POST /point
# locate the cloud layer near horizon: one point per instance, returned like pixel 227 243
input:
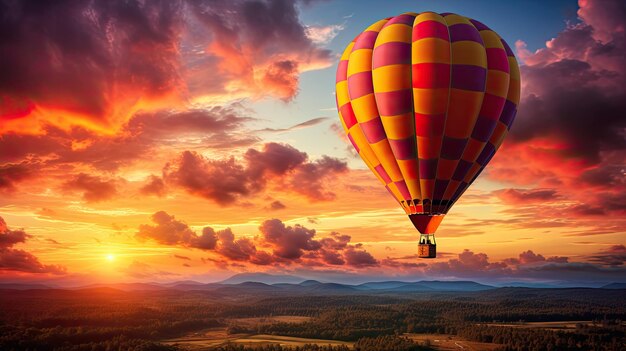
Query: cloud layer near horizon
pixel 278 245
pixel 286 248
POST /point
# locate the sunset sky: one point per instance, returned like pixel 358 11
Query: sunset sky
pixel 174 140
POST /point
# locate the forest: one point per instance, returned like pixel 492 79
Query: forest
pixel 109 319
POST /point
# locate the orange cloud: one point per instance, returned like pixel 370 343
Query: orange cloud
pixel 104 63
pixel 94 188
pixel 278 245
pixel 20 261
pixel 94 69
pixel 521 196
pixel 260 48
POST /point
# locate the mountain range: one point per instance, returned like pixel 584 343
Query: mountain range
pixel 251 283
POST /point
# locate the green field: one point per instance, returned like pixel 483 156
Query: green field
pixel 444 342
pixel 218 337
pixel 214 337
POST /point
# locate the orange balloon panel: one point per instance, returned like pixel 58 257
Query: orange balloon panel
pixel 426 100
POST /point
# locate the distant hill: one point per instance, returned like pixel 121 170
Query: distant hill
pixel 615 286
pixel 250 284
pixel 331 287
pixel 424 285
pixel 125 286
pixel 309 283
pixel 461 285
pixel 381 285
pixel 528 285
pixel 262 278
pixel 185 283
pixel 409 287
pixel 19 286
pixel 315 287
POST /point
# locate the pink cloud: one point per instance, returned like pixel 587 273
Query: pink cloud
pixel 530 196
pixel 260 47
pixel 167 231
pixel 277 245
pixel 94 188
pixel 567 145
pixel 16 260
pixel 288 242
pixel 12 174
pixel 241 249
pixel 280 165
pixel 359 258
pixel 144 133
pixel 154 186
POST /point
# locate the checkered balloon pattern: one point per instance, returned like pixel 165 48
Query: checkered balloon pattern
pixel 426 100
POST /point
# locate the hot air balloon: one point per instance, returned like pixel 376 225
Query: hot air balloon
pixel 426 100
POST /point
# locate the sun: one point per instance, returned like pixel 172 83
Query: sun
pixel 110 257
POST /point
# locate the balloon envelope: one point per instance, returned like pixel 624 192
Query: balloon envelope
pixel 426 100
